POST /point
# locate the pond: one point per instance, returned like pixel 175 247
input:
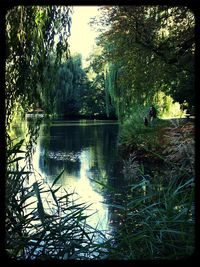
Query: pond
pixel 125 210
pixel 87 153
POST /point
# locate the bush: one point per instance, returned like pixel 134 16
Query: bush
pixel 134 134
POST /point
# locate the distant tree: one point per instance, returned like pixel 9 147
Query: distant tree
pixel 75 93
pixel 96 69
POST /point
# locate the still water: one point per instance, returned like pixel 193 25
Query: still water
pixel 87 152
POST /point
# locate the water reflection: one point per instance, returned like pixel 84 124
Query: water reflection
pixel 86 152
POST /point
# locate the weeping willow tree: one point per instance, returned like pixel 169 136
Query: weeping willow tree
pixel 112 88
pixel 154 47
pixel 65 94
pixel 30 41
pixel 32 34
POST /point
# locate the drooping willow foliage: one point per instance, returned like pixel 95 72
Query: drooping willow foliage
pixel 67 87
pixel 74 94
pixel 32 34
pixel 112 87
pixel 100 99
pixel 153 48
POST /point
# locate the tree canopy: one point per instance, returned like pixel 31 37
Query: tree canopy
pixel 144 53
pixel 147 49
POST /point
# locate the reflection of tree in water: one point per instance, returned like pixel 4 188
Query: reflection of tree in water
pixel 66 144
pixel 54 167
pixel 84 153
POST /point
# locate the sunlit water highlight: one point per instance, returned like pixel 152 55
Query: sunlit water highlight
pixel 87 151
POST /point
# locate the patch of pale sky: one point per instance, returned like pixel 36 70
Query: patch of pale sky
pixel 82 39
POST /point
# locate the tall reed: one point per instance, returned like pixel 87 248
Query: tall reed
pixel 34 233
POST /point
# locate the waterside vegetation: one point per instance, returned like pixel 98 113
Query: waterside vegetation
pixel 144 56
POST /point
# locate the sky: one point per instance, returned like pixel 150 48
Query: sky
pixel 82 39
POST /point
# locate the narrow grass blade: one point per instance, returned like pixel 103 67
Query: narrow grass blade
pixel 57 178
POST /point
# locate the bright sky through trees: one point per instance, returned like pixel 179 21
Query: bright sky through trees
pixel 82 39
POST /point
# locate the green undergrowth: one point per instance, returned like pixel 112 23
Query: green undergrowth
pixel 135 136
pixel 157 208
pixel 158 220
pixel 153 216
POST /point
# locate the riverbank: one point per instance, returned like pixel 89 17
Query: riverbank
pixel 85 117
pixel 150 215
pixel 158 204
pixel 157 143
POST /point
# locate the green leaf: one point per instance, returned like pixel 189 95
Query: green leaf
pixel 40 205
pixel 57 178
pixel 104 185
pixel 16 159
pixel 117 206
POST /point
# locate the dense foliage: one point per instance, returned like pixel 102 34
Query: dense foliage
pixel 96 74
pixel 74 93
pixel 145 55
pixel 147 50
pixel 32 35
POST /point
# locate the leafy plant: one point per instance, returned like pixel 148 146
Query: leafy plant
pixel 147 50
